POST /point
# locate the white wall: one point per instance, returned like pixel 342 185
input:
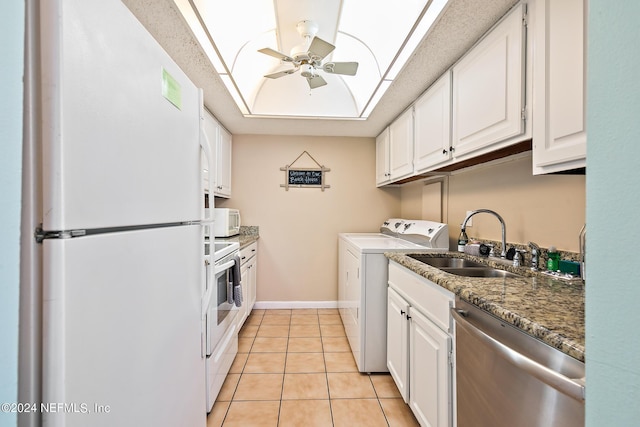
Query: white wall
pixel 11 70
pixel 613 209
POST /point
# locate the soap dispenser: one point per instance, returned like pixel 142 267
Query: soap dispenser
pixel 553 263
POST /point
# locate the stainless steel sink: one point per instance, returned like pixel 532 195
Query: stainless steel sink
pixel 479 272
pixel 446 262
pixel 462 267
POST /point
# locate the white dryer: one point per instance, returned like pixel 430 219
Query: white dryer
pixel 362 282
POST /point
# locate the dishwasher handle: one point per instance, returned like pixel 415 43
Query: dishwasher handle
pixel 573 388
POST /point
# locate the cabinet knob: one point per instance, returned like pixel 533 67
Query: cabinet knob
pixel 408 317
pixel 402 312
pixel 444 151
pixel 451 149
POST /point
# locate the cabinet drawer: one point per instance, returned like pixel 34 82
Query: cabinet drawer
pixel 426 296
pixel 247 252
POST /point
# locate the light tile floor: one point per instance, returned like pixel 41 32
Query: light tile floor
pixel 295 368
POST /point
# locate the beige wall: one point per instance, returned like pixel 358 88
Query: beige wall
pixel 546 209
pixel 299 228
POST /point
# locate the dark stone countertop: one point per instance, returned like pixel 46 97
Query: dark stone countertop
pixel 548 309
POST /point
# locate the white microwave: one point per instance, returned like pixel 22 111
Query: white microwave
pixel 226 222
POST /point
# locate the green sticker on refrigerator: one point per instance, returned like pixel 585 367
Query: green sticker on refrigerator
pixel 171 89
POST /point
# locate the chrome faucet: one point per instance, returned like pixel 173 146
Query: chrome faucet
pixel 535 255
pixel 503 254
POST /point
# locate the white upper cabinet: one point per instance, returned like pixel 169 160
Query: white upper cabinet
pixel 223 160
pixel 220 143
pixel 211 130
pixel 383 172
pixel 489 89
pixel 401 146
pixel 559 126
pixel 432 118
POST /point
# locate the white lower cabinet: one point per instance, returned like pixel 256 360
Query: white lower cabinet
pixel 398 342
pixel 429 371
pixel 248 277
pixel 420 345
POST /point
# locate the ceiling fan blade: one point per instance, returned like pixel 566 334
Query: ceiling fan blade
pixel 281 56
pixel 346 68
pixel 281 73
pixel 320 48
pixel 316 81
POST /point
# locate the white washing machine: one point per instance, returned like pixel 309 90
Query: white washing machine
pixel 362 282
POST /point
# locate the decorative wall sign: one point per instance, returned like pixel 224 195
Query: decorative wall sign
pixel 305 177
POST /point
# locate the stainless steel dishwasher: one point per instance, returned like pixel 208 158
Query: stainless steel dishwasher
pixel 505 377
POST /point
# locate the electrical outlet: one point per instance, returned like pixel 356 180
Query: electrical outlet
pixel 470 222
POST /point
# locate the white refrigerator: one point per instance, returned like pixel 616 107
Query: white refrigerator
pixel 121 207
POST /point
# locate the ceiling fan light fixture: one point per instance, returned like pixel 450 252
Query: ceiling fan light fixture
pixel 307 70
pixel 309 55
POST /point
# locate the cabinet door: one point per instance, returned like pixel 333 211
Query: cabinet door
pixel 429 372
pixel 488 88
pixel 559 126
pixel 223 160
pixel 382 158
pixel 398 341
pixel 252 286
pixel 432 120
pixel 243 312
pixel 401 146
pixel 211 129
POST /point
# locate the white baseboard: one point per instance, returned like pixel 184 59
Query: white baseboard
pixel 259 305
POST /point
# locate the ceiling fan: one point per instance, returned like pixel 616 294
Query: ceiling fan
pixel 307 57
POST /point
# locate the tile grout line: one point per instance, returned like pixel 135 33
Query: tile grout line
pixel 284 370
pixel 326 375
pixel 287 353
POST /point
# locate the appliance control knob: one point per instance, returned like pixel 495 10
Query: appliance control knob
pixel 430 231
pixel 398 224
pixel 407 226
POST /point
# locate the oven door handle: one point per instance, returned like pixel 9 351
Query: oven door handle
pixel 225 266
pixel 205 306
pixel 206 298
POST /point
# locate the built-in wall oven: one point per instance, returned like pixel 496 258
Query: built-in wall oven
pixel 221 341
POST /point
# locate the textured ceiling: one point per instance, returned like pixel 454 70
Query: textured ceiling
pixel 461 25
